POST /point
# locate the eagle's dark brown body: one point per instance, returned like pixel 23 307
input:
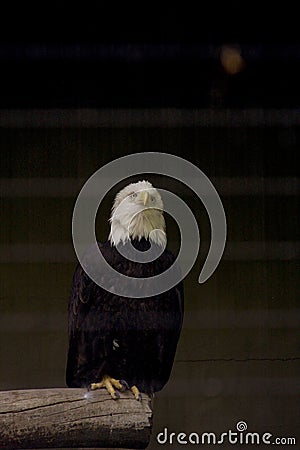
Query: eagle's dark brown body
pixel 133 339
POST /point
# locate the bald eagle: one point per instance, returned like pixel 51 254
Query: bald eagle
pixel 118 342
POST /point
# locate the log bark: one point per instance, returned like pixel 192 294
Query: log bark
pixel 72 418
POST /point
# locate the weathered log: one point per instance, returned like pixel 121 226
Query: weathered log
pixel 72 418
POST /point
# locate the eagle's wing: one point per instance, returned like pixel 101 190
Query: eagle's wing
pixel 168 337
pixel 87 345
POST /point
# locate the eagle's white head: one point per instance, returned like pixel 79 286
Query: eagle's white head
pixel 137 213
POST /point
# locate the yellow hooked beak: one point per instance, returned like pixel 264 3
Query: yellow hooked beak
pixel 144 196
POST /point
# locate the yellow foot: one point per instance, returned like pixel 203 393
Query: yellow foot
pixel 110 383
pixel 136 393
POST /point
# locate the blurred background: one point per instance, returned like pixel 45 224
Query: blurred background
pixel 78 93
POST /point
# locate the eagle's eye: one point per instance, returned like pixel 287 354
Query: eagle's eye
pixel 152 199
pixel 133 195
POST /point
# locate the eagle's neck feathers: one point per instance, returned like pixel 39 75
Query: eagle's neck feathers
pixel 148 224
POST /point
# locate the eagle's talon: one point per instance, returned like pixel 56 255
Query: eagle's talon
pixel 94 386
pixel 125 386
pixel 109 384
pixel 136 393
pixel 115 395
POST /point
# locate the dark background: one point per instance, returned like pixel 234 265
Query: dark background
pixel 78 91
